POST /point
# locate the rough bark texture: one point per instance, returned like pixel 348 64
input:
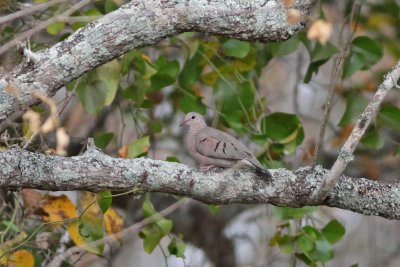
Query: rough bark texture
pixel 140 23
pixel 95 171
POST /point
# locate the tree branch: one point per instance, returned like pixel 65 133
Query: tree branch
pixel 95 171
pixel 140 23
pixel 346 153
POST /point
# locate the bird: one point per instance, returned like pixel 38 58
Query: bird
pixel 214 148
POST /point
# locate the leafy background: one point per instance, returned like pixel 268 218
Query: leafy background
pixel 270 96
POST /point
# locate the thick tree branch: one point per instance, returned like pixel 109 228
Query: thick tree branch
pixel 140 23
pixel 95 171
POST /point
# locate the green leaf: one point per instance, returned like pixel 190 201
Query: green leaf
pixel 55 28
pixel 214 208
pixel 101 140
pixel 104 200
pixel 177 248
pixel 165 225
pixel 100 86
pixel 286 244
pixel 236 48
pixel 353 63
pixel 148 208
pixel 306 243
pixel 389 116
pixel 355 105
pixel 372 140
pixel 172 159
pixel 365 52
pixel 318 55
pixel 286 213
pixel 322 53
pixel 91 229
pixel 159 81
pixel 286 47
pixel 246 94
pixel 282 127
pixel 190 103
pixel 110 6
pixel 152 236
pixel 191 71
pixel 323 250
pixel 333 231
pixel 139 147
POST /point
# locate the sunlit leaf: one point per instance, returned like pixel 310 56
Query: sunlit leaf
pixel 177 248
pixel 58 208
pixel 21 258
pixel 139 147
pixel 55 27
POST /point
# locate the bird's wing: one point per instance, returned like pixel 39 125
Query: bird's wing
pixel 214 143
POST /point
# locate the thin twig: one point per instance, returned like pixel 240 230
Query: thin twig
pixel 328 107
pixel 346 153
pixel 42 25
pixel 29 10
pixel 329 100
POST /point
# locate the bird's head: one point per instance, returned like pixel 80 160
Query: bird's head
pixel 194 119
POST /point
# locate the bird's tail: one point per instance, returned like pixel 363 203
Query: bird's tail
pixel 260 168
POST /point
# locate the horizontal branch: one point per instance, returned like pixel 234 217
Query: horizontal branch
pixel 137 24
pixel 95 171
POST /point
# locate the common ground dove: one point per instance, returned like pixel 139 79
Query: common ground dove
pixel 213 148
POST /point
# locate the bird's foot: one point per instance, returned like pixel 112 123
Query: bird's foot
pixel 205 168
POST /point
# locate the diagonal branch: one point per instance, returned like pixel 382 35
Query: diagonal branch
pixel 140 23
pixel 95 171
pixel 346 153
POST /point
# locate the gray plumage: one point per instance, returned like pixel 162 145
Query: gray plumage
pixel 211 147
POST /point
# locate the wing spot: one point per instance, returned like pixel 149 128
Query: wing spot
pixel 223 149
pixel 234 147
pixel 216 147
pixel 202 141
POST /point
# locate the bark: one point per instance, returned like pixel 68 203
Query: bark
pixel 95 171
pixel 137 24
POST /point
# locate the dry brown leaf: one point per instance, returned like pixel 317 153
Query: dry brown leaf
pixel 293 16
pixel 113 223
pixel 59 208
pixel 62 142
pixel 320 30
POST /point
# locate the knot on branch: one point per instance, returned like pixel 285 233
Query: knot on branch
pixel 91 147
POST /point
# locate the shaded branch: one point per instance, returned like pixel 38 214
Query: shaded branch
pixel 137 24
pixel 95 171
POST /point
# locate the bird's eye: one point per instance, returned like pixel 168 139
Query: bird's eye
pixel 193 117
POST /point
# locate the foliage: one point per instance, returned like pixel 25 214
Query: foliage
pixel 150 88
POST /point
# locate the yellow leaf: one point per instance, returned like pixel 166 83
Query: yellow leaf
pixel 80 240
pixel 21 258
pixel 113 223
pixel 59 208
pixel 4 247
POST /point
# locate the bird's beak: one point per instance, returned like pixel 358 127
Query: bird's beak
pixel 183 123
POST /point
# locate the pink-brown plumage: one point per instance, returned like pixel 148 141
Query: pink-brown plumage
pixel 213 148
